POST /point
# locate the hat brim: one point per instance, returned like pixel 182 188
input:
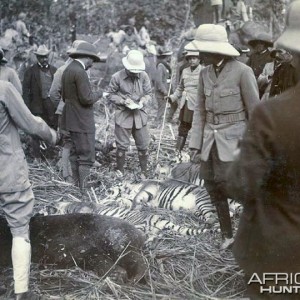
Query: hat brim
pixel 287 40
pixel 77 53
pixel 222 48
pixel 253 42
pixel 44 53
pixel 169 53
pixel 131 68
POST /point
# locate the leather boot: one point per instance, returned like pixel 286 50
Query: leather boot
pixel 75 172
pixel 180 143
pixel 120 160
pixel 21 257
pixel 143 158
pixel 84 172
pixel 225 223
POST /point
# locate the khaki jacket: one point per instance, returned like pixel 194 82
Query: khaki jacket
pixel 187 89
pixel 223 107
pixel 14 114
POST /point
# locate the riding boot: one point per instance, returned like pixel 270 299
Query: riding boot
pixel 75 172
pixel 143 158
pixel 84 172
pixel 120 160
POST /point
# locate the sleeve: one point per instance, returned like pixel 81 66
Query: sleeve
pixel 254 164
pixel 23 118
pixel 55 90
pixel 147 88
pixel 179 90
pixel 85 94
pixel 114 91
pixel 199 117
pixel 160 84
pixel 249 90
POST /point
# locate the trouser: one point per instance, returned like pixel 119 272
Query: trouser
pixel 82 156
pixel 67 145
pixel 184 128
pixel 218 196
pixel 18 209
pixel 142 139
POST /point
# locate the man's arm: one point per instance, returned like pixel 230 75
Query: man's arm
pixel 254 163
pixel 113 89
pixel 14 79
pixel 249 90
pixel 85 94
pixel 160 85
pixel 147 90
pixel 199 117
pixel 55 90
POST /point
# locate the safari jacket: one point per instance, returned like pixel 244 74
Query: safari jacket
pixel 187 88
pixel 14 114
pixel 223 106
pixel 122 86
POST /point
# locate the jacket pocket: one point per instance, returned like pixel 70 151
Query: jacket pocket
pixel 235 131
pixel 230 100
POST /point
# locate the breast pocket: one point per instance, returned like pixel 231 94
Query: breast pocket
pixel 231 100
pixel 208 99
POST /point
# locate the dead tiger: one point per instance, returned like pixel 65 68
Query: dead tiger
pixel 190 172
pixel 176 195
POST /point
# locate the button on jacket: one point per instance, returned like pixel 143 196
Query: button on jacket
pixel 122 86
pixel 187 89
pixel 14 114
pixel 223 106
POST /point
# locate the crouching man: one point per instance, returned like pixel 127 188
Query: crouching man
pixel 16 196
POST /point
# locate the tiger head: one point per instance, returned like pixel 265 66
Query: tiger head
pixel 147 194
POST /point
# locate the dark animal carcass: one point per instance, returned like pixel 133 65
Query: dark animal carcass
pixel 93 242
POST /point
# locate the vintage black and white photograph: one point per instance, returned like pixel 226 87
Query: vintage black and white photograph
pixel 149 149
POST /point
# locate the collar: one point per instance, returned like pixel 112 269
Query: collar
pixel 218 65
pixel 81 62
pixel 42 67
pixel 264 51
pixel 125 75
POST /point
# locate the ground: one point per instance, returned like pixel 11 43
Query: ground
pixel 180 267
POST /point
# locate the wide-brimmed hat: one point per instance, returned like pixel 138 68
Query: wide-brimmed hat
pixel 85 49
pixel 190 53
pixel 290 35
pixel 134 61
pixel 281 55
pixel 74 46
pixel 163 51
pixel 42 50
pixel 262 37
pixel 212 38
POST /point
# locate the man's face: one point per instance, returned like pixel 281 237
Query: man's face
pixel 89 62
pixel 43 60
pixel 193 60
pixel 259 47
pixel 211 58
pixel 131 74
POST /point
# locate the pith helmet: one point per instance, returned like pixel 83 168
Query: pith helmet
pixel 290 37
pixel 134 61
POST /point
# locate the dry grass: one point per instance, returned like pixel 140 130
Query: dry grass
pixel 180 267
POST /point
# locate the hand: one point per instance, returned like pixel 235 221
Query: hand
pixel 194 155
pixel 168 99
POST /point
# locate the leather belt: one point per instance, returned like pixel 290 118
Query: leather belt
pixel 224 118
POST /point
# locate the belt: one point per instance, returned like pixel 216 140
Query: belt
pixel 224 118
